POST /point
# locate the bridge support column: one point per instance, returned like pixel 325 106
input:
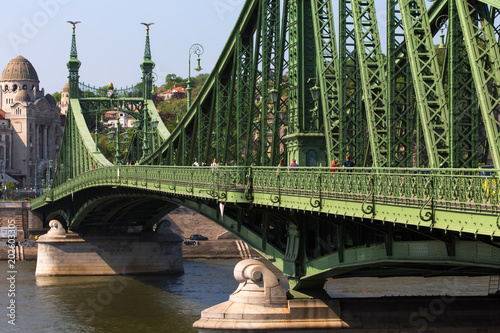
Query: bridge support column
pixel 260 304
pixel 65 254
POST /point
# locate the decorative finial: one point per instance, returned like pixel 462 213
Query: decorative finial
pixel 147 25
pixel 74 23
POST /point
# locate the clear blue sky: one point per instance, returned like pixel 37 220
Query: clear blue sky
pixel 110 39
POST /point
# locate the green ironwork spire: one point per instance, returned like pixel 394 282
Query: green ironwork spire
pixel 147 67
pixel 73 64
pixel 147 49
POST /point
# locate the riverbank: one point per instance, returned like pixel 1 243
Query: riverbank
pixel 215 249
pixel 220 244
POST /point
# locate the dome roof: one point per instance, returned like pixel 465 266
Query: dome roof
pixel 19 68
pixel 51 100
pixel 22 96
pixel 66 87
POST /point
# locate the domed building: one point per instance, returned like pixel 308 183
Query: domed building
pixel 64 104
pixel 33 119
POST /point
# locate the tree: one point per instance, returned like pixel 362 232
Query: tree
pixel 57 96
pixel 9 187
pixel 171 111
pixel 172 80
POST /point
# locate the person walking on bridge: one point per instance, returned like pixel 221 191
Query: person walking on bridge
pixel 334 165
pixel 214 164
pixel 281 165
pixel 348 163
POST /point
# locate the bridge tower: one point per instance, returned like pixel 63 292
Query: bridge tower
pixel 73 66
pixel 305 140
pixel 98 250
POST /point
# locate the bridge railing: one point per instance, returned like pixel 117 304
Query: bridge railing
pixel 93 91
pixel 454 189
pixel 465 189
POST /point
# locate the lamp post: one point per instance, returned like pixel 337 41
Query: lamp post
pixel 36 175
pixel 442 23
pixel 315 92
pixel 96 133
pixel 4 181
pixel 117 141
pixel 49 174
pixel 198 50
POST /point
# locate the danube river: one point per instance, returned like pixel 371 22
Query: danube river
pixel 125 304
pixel 115 304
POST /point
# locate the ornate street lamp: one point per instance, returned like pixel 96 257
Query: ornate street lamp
pixel 315 92
pixel 442 22
pixel 198 50
pixel 273 94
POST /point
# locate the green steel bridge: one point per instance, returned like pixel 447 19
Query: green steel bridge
pixel 417 119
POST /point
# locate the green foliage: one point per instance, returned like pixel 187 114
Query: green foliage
pixel 198 83
pixel 172 80
pixel 10 187
pixel 57 96
pixel 173 109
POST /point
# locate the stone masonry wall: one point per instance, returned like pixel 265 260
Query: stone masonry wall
pixel 73 255
pixel 27 222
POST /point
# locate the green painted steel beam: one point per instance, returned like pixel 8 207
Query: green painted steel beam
pixel 327 75
pixel 401 112
pixel 467 144
pixel 353 122
pixel 373 80
pixel 417 256
pixel 494 3
pixel 484 56
pixel 430 96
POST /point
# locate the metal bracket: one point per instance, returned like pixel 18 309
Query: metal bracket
pixel 370 209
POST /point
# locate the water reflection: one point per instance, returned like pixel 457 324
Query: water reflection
pixel 119 303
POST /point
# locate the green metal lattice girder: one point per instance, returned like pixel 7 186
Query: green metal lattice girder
pixel 465 117
pixel 353 122
pixel 400 92
pixel 430 96
pixel 373 80
pixel 484 57
pixel 327 73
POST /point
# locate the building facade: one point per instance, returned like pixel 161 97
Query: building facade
pixel 29 150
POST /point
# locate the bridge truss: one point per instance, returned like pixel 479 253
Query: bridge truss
pixel 413 104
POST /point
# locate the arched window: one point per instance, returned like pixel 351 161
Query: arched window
pixel 311 158
pixel 14 87
pixel 6 87
pixel 25 87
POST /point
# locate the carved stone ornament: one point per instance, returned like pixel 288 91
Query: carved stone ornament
pixel 56 228
pixel 258 285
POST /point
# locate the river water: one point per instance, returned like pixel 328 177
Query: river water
pixel 114 304
pixel 125 304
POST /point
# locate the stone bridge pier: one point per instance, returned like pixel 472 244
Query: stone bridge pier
pixel 260 304
pixel 62 254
